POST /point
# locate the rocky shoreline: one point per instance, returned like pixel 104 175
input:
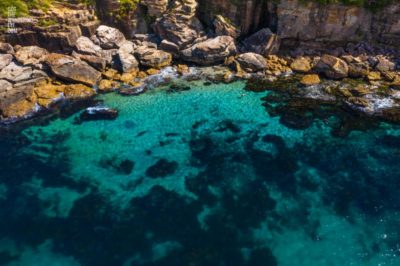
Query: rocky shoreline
pixel 34 79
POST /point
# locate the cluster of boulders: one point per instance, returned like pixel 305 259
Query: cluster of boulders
pixel 33 78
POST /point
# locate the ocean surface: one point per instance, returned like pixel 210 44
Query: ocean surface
pixel 215 175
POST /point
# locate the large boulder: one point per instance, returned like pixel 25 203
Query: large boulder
pixel 151 57
pixel 85 46
pixel 126 58
pixel 251 62
pixel 332 67
pixel 263 42
pixel 15 73
pixel 30 55
pixel 301 65
pixel 108 37
pixel 224 27
pixel 210 51
pixel 5 60
pixel 97 62
pixel 384 64
pixel 71 69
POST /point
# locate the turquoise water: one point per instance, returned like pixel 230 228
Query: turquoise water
pixel 216 175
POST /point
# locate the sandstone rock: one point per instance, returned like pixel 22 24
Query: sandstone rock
pixel 85 46
pixel 106 85
pixel 374 76
pixel 385 65
pixel 6 48
pixel 358 69
pixel 97 62
pixel 4 86
pixel 109 37
pixel 126 58
pixel 309 80
pixel 182 69
pixel 48 93
pixel 169 47
pixel 276 65
pixel 251 62
pixel 388 75
pixel 179 23
pixel 111 74
pixel 17 102
pixel 30 55
pixel 5 60
pixel 153 58
pixel 360 90
pixel 332 67
pixel 70 69
pixel 301 65
pixel 262 42
pixel 78 91
pixel 224 27
pixel 15 73
pixel 155 8
pixel 211 51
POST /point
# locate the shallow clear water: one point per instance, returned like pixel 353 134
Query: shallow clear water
pixel 207 176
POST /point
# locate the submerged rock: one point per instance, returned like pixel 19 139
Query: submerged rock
pixel 98 113
pixel 162 168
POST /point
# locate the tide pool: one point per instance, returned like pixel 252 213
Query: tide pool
pixel 215 175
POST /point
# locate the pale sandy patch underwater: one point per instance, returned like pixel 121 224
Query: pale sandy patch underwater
pixel 200 177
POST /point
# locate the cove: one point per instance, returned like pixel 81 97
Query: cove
pixel 213 175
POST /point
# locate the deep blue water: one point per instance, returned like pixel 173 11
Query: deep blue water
pixel 216 175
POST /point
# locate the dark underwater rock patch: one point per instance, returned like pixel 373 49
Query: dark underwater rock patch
pixel 124 166
pixel 162 168
pixel 98 113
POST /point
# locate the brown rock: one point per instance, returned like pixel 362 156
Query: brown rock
pixel 224 27
pixel 309 80
pixel 251 62
pixel 6 48
pixel 109 37
pixel 95 61
pixel 211 51
pixel 30 55
pixel 79 91
pixel 358 69
pixel 301 65
pixel 332 67
pixel 106 85
pixel 70 69
pixel 263 42
pixel 153 58
pixel 5 60
pixel 374 76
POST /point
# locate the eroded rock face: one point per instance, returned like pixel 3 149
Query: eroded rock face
pixel 224 27
pixel 71 69
pixel 263 42
pixel 179 23
pixel 30 55
pixel 251 62
pixel 211 51
pixel 332 67
pixel 109 37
